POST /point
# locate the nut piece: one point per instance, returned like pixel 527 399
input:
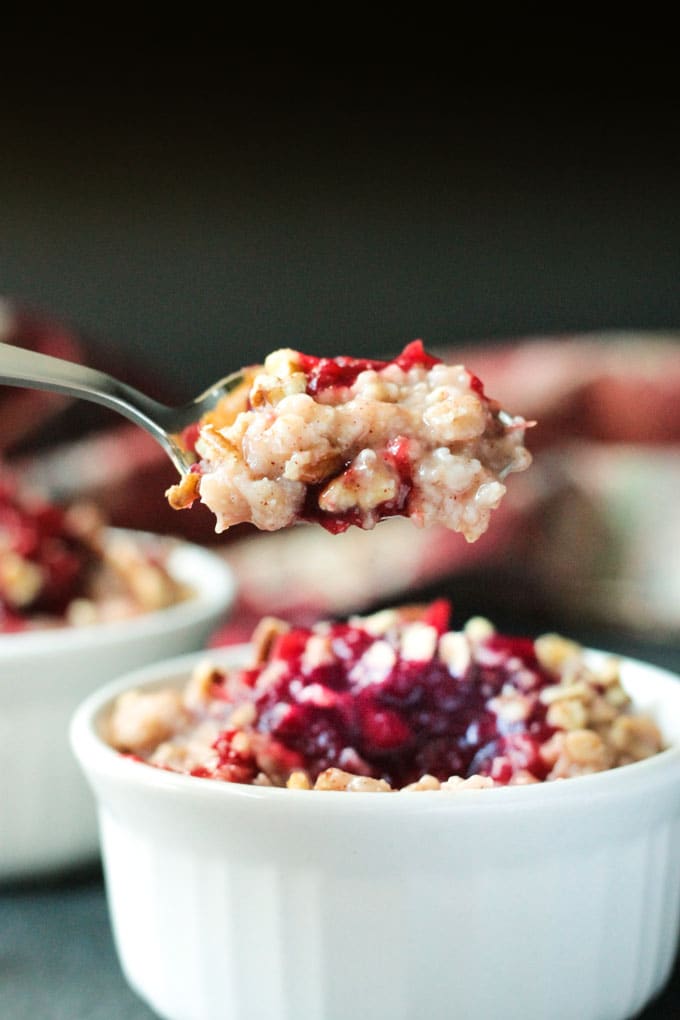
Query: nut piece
pixel 281 378
pixel 367 482
pixel 82 612
pixel 579 752
pixel 298 781
pixel 141 720
pixel 512 707
pixel 426 782
pixel 567 714
pixel 455 783
pixel 455 652
pixel 243 715
pixel 553 650
pixel 20 579
pixel 478 629
pixel 185 492
pixel 377 624
pixel 365 784
pixel 264 636
pixel 418 642
pixel 337 779
pixel 586 748
pixel 333 779
pixel 635 737
pixel 199 685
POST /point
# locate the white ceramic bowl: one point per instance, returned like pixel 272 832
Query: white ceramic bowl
pixel 559 900
pixel 47 821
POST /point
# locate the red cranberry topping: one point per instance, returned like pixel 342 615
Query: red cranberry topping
pixel 10 623
pixel 190 436
pixel 414 354
pixel 477 385
pixel 324 373
pixel 398 452
pixel 438 615
pixel 38 533
pixel 339 694
pixel 237 765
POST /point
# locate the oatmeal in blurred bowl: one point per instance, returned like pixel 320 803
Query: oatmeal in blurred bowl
pixel 79 602
pixel 61 566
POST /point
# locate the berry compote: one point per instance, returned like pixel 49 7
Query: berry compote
pixel 43 564
pixel 393 697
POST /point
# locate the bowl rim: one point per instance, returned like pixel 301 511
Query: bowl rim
pixel 96 756
pixel 216 587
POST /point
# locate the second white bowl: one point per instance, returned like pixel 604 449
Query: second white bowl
pixel 231 902
pixel 47 821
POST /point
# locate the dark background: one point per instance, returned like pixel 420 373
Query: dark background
pixel 204 204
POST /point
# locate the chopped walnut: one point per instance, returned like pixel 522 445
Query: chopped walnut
pixel 264 636
pixel 333 779
pixel 20 579
pixel 337 779
pixel 185 492
pixel 454 650
pixel 635 737
pixel 425 783
pixel 418 642
pixel 552 651
pixel 367 483
pixel 512 707
pixel 582 752
pixel 567 714
pixel 298 781
pixel 142 720
pixel 198 689
pixel 365 784
pixel 456 783
pixel 478 628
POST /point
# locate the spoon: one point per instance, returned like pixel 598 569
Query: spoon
pixel 19 367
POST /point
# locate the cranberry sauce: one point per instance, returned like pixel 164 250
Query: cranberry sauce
pixel 337 696
pixel 37 533
pixel 326 373
pixel 396 454
pixel 189 436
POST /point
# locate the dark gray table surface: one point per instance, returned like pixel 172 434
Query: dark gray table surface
pixel 57 959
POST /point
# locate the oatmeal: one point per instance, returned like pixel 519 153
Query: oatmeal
pixel 392 701
pixel 60 566
pixel 347 441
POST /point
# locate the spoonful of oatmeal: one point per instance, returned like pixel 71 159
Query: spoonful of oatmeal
pixel 336 441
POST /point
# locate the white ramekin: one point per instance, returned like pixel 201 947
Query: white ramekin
pixel 560 900
pixel 47 821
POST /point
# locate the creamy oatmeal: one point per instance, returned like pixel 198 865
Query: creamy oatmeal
pixel 345 441
pixel 61 566
pixel 392 701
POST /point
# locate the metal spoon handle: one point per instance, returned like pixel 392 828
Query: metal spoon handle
pixel 20 367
